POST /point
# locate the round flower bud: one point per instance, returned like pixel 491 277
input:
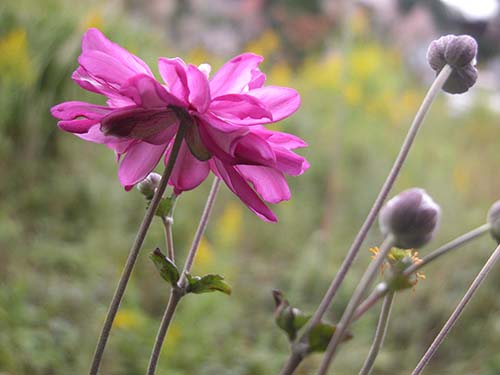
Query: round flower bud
pixel 411 217
pixel 460 53
pixel 494 220
pixel 148 186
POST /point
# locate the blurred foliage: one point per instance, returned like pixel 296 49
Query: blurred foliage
pixel 66 225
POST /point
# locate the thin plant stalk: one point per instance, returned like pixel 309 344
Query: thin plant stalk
pixel 490 263
pixel 456 243
pixel 377 205
pixel 134 252
pixel 380 334
pixel 179 290
pixel 345 321
pixel 168 222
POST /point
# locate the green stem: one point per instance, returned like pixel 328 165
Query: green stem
pixel 134 252
pixel 180 290
pixel 345 321
pixel 380 333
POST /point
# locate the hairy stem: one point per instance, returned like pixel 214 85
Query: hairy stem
pixel 179 291
pixel 134 252
pixel 345 321
pixel 380 333
pixel 490 263
pixel 377 205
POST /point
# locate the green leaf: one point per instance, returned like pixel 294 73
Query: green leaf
pixel 165 206
pixel 168 270
pixel 321 335
pixel 291 320
pixel 207 284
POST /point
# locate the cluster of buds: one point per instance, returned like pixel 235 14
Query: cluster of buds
pixel 459 52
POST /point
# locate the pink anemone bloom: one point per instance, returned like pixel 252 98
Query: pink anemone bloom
pixel 223 117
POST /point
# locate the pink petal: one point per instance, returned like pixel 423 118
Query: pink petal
pixel 155 126
pixel 280 101
pixel 77 126
pixel 269 183
pixel 289 162
pixel 219 143
pixel 199 90
pixel 95 41
pixel 106 68
pixel 119 145
pixel 146 92
pixel 173 72
pixel 236 183
pixel 251 149
pixel 258 79
pixel 78 117
pixel 139 161
pixel 235 75
pixel 240 109
pixel 286 140
pixel 74 109
pixel 188 171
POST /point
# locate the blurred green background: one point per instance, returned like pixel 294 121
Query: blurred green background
pixel 66 224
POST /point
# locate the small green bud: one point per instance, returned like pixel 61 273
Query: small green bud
pixel 148 186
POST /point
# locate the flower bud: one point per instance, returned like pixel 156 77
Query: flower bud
pixel 460 53
pixel 494 220
pixel 411 217
pixel 148 186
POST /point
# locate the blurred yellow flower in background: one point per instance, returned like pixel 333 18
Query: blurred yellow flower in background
pixel 229 226
pixel 15 63
pixel 265 44
pixel 127 319
pixel 93 18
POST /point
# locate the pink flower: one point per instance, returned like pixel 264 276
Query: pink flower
pixel 223 117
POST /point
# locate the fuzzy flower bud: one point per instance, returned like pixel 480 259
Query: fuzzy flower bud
pixel 460 53
pixel 148 186
pixel 411 217
pixel 494 220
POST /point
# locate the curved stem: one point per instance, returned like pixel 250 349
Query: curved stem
pixel 134 252
pixel 493 259
pixel 377 205
pixel 179 291
pixel 345 321
pixel 378 292
pixel 380 333
pixel 457 242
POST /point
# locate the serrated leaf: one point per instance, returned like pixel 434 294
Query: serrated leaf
pixel 168 270
pixel 165 207
pixel 207 284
